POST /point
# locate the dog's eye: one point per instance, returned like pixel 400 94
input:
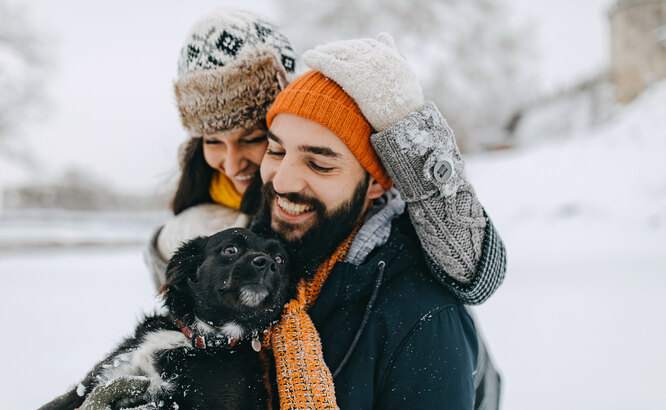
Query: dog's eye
pixel 230 250
pixel 279 259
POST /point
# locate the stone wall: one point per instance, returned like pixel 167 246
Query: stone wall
pixel 638 45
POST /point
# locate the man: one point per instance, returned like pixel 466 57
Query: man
pixel 390 335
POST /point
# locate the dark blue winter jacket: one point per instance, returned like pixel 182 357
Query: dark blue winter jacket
pixel 418 348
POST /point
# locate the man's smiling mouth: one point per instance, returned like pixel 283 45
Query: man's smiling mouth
pixel 291 208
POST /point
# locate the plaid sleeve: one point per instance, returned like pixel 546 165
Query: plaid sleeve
pixel 489 274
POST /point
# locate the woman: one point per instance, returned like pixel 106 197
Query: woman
pixel 231 67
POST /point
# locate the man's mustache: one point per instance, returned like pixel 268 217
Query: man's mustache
pixel 270 193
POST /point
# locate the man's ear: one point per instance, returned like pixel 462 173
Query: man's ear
pixel 375 189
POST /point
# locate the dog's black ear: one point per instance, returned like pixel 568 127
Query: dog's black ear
pixel 182 266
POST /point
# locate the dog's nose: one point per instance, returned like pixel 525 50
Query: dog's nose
pixel 265 263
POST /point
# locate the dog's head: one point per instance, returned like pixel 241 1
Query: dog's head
pixel 234 276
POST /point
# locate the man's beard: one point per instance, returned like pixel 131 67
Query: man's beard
pixel 323 237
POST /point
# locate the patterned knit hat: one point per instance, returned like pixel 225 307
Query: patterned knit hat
pixel 316 98
pixel 232 66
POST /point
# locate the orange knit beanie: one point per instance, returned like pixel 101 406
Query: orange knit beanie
pixel 316 98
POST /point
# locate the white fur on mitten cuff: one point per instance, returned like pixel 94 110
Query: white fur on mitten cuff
pixel 374 74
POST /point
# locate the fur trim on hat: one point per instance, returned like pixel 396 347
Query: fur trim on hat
pixel 232 96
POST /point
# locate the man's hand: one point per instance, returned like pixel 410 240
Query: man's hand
pixel 374 74
pixel 122 389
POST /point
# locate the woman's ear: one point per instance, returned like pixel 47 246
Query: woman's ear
pixel 375 189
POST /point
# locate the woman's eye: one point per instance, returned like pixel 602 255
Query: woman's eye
pixel 255 140
pixel 279 259
pixel 212 142
pixel 230 250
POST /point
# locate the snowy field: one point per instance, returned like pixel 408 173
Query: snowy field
pixel 63 310
pixel 576 326
pixel 569 331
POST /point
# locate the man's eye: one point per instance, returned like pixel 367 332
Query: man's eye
pixel 279 259
pixel 230 250
pixel 274 153
pixel 319 168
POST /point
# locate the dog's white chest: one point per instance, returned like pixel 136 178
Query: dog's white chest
pixel 141 361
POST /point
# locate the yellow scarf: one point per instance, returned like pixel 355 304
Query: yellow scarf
pixel 223 192
pixel 304 381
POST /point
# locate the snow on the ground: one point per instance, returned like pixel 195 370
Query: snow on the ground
pixel 576 325
pixel 63 311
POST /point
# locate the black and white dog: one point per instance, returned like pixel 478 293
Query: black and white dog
pixel 221 291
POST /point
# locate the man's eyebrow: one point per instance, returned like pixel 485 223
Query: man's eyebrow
pixel 273 137
pixel 325 151
pixel 317 150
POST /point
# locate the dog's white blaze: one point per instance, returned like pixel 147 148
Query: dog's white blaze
pixel 252 298
pixel 141 362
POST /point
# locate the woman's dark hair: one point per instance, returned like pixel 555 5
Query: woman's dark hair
pixel 195 177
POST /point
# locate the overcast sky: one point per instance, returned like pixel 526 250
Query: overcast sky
pixel 112 110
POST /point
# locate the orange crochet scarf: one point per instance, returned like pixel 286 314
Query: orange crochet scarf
pixel 304 381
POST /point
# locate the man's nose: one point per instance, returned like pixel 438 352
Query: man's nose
pixel 288 178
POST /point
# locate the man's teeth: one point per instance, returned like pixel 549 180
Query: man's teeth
pixel 292 208
pixel 244 177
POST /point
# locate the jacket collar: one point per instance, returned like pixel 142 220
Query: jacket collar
pixel 348 282
pixel 376 228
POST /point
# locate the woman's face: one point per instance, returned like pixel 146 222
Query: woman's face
pixel 236 153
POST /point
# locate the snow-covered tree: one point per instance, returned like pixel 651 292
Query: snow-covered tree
pixel 471 61
pixel 23 57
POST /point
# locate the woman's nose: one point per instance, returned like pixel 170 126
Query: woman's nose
pixel 234 161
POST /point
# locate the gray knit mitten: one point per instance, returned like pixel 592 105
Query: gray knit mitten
pixel 423 160
pixel 462 248
pixel 122 389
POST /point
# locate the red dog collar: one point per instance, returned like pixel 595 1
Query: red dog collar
pixel 198 340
